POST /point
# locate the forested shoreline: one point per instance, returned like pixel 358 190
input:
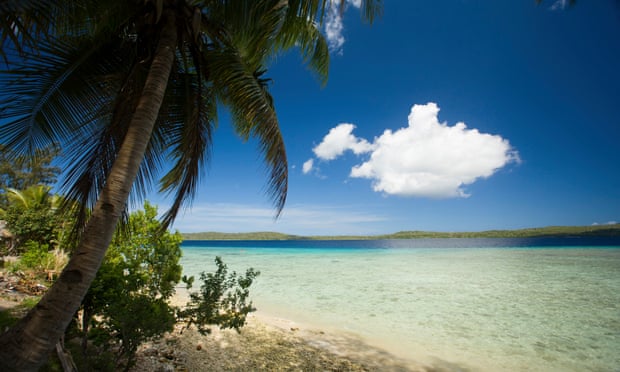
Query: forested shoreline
pixel 550 231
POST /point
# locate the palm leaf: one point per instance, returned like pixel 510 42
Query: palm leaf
pixel 254 116
pixel 55 93
pixel 25 24
pixel 304 34
pixel 189 115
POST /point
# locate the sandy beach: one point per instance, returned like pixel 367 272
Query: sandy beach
pixel 268 344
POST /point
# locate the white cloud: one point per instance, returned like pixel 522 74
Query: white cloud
pixel 307 167
pixel 334 28
pixel 425 159
pixel 559 5
pixel 338 140
pixel 605 223
pixel 334 25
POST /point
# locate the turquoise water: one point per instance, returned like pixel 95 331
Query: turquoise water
pixel 489 305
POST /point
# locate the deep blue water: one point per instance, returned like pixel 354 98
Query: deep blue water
pixel 414 243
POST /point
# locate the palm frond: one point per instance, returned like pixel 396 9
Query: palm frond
pixel 245 93
pixel 54 93
pixel 371 9
pixel 307 9
pixel 90 158
pixel 191 115
pixel 25 24
pixel 187 120
pixel 306 35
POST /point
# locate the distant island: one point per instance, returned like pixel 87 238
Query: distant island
pixel 550 231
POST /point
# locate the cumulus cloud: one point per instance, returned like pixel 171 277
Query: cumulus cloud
pixel 334 25
pixel 339 140
pixel 307 167
pixel 425 159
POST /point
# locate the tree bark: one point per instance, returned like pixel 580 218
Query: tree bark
pixel 27 345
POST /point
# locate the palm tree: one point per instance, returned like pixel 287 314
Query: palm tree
pixel 33 214
pixel 125 87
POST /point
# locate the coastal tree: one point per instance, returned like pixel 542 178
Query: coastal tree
pixel 125 87
pixel 32 215
pixel 20 172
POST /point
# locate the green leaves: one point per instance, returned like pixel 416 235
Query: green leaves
pixel 131 290
pixel 34 215
pixel 141 269
pixel 77 71
pixel 222 299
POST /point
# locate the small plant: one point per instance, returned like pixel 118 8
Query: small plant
pixel 222 299
pixel 37 256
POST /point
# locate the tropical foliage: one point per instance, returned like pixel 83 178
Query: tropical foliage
pixel 33 215
pixel 128 300
pixel 223 299
pixel 21 172
pixel 127 87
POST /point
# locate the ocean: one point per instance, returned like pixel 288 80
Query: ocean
pixel 543 304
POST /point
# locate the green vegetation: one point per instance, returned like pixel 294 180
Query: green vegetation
pixel 20 172
pixel 128 302
pixel 551 231
pixel 222 299
pixel 125 88
pixel 34 214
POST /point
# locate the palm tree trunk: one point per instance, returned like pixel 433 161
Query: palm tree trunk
pixel 26 346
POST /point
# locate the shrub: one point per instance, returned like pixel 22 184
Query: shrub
pixel 222 299
pixel 127 302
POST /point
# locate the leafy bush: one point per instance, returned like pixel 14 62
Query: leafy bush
pixel 40 261
pixel 222 299
pixel 37 256
pixel 34 214
pixel 127 302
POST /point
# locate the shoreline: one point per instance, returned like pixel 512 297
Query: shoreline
pixel 270 343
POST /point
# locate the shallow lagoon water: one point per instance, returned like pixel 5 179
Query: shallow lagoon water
pixel 479 304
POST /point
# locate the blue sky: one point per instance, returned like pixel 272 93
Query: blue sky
pixel 537 89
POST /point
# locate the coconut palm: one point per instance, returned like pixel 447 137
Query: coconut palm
pixel 126 87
